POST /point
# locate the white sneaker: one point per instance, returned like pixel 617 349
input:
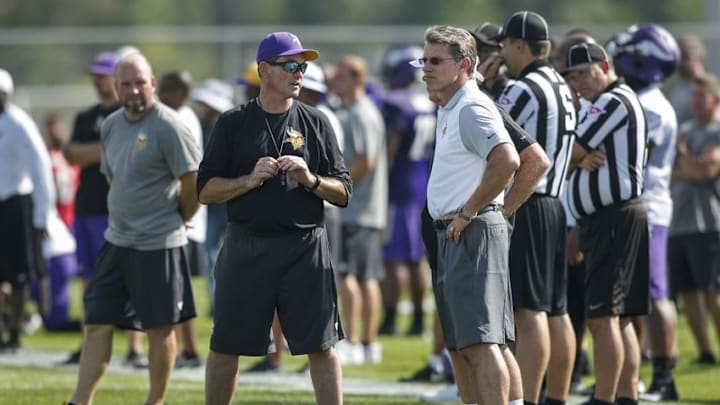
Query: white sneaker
pixel 349 353
pixel 445 394
pixel 373 353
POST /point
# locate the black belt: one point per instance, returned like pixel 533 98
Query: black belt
pixel 442 224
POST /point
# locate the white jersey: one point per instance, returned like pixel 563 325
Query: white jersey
pixel 662 134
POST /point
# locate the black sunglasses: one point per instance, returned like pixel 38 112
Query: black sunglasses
pixel 419 63
pixel 290 66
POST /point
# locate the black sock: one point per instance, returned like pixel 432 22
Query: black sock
pixel 662 369
pixel 14 335
pixel 528 403
pixel 390 314
pixel 626 401
pixel 551 401
pixel 596 401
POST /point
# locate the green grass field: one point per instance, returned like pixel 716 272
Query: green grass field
pixel 402 356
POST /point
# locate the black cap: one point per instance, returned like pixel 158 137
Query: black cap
pixel 525 25
pixel 486 34
pixel 583 55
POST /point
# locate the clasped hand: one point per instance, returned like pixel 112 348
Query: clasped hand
pixel 268 167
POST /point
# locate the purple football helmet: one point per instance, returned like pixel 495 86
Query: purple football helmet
pixel 396 69
pixel 647 52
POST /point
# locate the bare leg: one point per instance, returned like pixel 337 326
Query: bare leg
pixel 418 285
pixel 391 287
pixel 696 314
pixel 371 304
pixel 221 373
pixel 276 357
pixel 516 389
pixel 627 385
pixel 609 355
pixel 351 305
pixel 135 342
pixel 662 323
pixel 464 377
pixel 490 373
pixel 532 350
pixel 562 357
pixel 326 375
pixel 96 350
pixel 161 361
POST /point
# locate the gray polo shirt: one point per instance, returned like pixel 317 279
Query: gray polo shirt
pixel 145 159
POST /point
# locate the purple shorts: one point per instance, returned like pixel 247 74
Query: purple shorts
pixel 405 243
pixel 658 262
pixel 90 237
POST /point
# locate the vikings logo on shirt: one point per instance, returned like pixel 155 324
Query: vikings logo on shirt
pixel 295 138
pixel 141 141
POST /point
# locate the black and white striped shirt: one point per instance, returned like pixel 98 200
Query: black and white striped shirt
pixel 541 102
pixel 615 123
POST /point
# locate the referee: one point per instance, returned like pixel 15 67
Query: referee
pixel 540 101
pixel 613 221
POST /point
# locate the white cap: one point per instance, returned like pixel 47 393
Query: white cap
pixel 314 78
pixel 217 94
pixel 6 82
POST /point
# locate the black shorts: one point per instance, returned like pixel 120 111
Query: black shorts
pixel 538 263
pixel 20 249
pixel 694 262
pixel 615 243
pixel 136 289
pixel 362 253
pixel 255 275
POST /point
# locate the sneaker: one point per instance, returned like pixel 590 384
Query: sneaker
pixel 263 366
pixel 188 360
pixel 350 353
pixel 661 392
pixel 445 394
pixel 705 358
pixel 74 358
pixel 12 346
pixel 425 374
pixel 372 353
pixel 32 323
pixel 135 360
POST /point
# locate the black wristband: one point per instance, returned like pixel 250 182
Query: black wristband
pixel 315 185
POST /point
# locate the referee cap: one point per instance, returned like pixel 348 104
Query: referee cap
pixel 526 25
pixel 581 56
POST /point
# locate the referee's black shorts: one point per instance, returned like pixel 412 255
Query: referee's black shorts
pixel 257 274
pixel 20 249
pixel 538 265
pixel 615 243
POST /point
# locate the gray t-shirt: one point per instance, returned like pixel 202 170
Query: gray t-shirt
pixel 364 131
pixel 144 159
pixel 696 206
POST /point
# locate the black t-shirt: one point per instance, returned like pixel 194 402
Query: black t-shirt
pixel 91 197
pixel 243 135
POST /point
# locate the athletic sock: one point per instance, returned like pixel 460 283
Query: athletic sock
pixel 516 402
pixel 596 401
pixel 551 401
pixel 529 403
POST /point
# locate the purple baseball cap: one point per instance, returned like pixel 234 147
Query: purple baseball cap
pixel 103 64
pixel 283 44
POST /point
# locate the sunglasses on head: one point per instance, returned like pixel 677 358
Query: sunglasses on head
pixel 290 66
pixel 419 63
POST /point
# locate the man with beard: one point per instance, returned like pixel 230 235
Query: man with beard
pixel 150 160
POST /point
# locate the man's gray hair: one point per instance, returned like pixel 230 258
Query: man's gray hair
pixel 459 41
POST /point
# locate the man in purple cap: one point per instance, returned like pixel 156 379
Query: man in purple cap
pixel 273 162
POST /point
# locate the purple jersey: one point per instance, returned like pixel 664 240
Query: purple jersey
pixel 410 121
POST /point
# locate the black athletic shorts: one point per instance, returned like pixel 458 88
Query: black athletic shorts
pixel 538 261
pixel 615 243
pixel 137 289
pixel 255 275
pixel 694 262
pixel 20 248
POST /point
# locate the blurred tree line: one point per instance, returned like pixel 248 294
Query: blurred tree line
pixel 42 13
pixel 46 64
